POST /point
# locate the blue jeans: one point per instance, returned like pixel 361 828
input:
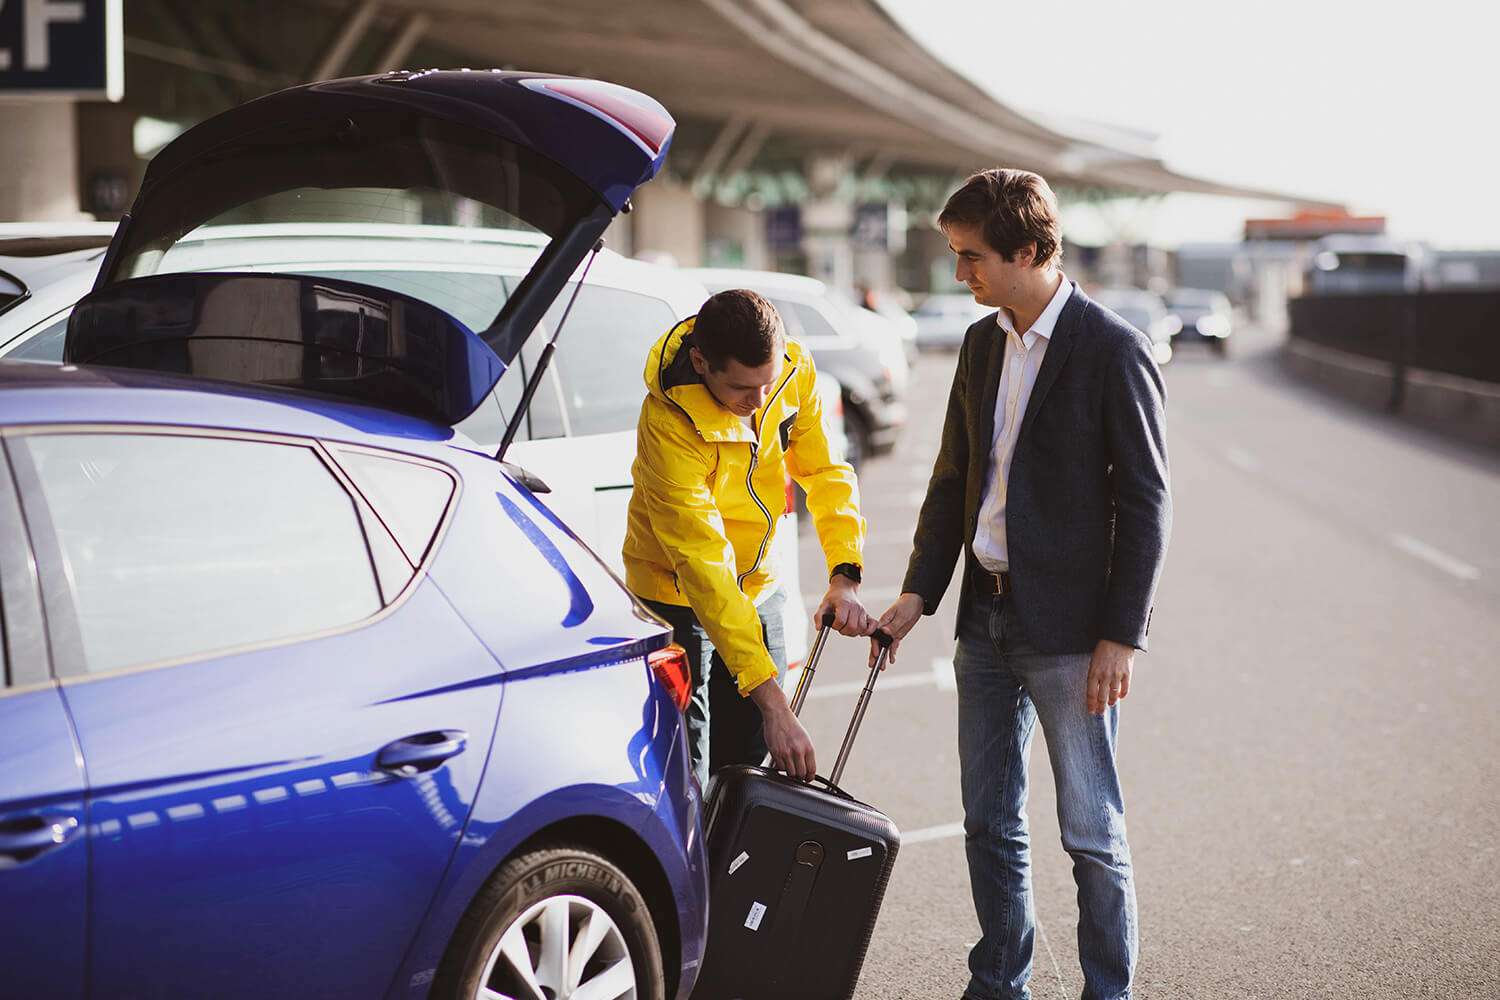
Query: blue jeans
pixel 723 727
pixel 1004 688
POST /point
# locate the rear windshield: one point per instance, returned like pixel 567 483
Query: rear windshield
pixel 375 169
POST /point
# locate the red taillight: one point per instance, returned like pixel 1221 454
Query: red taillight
pixel 791 496
pixel 670 665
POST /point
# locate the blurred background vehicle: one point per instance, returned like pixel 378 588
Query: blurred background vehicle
pixel 866 357
pixel 42 239
pixel 1146 312
pixel 943 318
pixel 893 305
pixel 36 296
pixel 1203 316
pixel 1348 264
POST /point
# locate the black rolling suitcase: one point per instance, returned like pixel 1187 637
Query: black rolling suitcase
pixel 797 874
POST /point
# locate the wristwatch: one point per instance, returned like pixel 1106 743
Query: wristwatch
pixel 850 570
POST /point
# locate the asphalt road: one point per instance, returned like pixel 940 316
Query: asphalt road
pixel 1309 749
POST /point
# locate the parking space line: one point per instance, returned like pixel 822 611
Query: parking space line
pixel 1041 932
pixel 944 832
pixel 942 673
pixel 1241 459
pixel 1435 557
pixel 855 687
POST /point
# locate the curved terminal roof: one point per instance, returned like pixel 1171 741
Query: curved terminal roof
pixel 814 75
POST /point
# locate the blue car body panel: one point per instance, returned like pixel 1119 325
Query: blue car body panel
pixel 43 948
pixel 238 819
pixel 240 832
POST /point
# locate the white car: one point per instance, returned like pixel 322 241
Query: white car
pixel 944 318
pixel 858 347
pixel 1147 313
pixel 579 433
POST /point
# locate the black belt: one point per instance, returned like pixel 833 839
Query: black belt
pixel 988 584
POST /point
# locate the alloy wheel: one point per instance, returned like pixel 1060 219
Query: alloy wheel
pixel 561 948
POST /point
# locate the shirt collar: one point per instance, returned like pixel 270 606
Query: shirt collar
pixel 1046 323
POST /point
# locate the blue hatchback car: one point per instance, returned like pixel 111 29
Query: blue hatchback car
pixel 304 694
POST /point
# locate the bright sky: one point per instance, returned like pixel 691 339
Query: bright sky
pixel 1392 109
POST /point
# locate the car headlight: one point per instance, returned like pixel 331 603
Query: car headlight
pixel 1213 325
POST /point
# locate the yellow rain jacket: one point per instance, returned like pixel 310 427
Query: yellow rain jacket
pixel 709 493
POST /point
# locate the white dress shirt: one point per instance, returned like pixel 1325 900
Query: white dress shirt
pixel 1023 359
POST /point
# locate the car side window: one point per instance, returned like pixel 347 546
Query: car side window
pixel 602 353
pixel 805 324
pixel 176 546
pixel 45 343
pixel 410 498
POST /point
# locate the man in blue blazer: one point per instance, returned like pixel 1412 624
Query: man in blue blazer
pixel 1052 481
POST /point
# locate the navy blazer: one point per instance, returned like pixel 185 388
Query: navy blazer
pixel 1088 508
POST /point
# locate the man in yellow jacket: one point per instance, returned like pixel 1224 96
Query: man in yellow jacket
pixel 731 408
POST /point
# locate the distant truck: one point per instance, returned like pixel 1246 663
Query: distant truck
pixel 1360 265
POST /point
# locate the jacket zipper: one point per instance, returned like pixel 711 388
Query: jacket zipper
pixel 770 523
pixel 750 486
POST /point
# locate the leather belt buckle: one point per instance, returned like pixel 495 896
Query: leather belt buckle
pixel 995 584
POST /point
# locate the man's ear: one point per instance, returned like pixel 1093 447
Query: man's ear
pixel 1026 256
pixel 699 362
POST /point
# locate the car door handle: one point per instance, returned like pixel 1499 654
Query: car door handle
pixel 24 837
pixel 423 752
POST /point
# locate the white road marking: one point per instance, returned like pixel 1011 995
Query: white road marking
pixel 1435 557
pixel 944 832
pixel 855 687
pixel 1241 459
pixel 942 673
pixel 940 677
pixel 1041 932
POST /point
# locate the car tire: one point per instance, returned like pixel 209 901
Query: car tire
pixel 533 911
pixel 1221 347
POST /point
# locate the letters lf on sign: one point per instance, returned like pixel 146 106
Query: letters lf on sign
pixel 62 48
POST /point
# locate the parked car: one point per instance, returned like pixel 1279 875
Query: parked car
pixel 1203 316
pixel 870 368
pixel 305 694
pixel 45 239
pixel 1146 312
pixel 893 305
pixel 36 296
pixel 943 319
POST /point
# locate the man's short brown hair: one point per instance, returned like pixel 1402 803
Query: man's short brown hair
pixel 1014 209
pixel 739 324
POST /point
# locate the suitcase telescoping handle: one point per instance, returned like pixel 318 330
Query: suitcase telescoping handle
pixel 884 639
pixel 811 666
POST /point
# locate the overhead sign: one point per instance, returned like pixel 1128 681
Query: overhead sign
pixel 62 48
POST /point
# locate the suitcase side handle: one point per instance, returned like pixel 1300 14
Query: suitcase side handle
pixel 884 639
